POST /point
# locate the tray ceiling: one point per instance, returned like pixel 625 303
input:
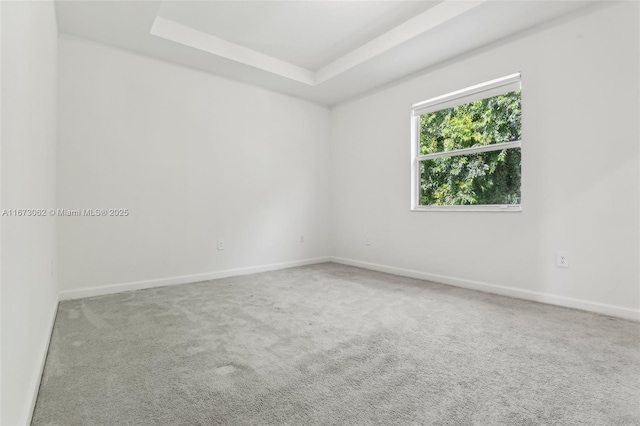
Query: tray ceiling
pixel 323 51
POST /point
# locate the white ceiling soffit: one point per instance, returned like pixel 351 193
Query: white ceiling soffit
pixel 208 42
pixel 323 51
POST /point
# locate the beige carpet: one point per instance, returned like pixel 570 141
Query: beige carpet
pixel 335 345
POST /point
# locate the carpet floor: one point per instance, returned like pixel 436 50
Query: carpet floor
pixel 334 345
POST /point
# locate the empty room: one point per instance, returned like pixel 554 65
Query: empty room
pixel 319 212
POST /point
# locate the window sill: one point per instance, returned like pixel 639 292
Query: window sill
pixel 485 208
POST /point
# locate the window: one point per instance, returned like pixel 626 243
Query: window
pixel 466 149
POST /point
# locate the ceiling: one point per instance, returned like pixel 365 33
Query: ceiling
pixel 321 50
pixel 309 34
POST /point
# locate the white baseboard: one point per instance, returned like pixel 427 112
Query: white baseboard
pixel 585 305
pixel 34 386
pixel 184 279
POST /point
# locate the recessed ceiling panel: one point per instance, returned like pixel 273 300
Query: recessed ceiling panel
pixel 309 34
pixel 323 51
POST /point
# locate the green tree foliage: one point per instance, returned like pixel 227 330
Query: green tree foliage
pixel 491 177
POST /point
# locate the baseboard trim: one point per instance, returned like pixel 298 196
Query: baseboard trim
pixel 184 279
pixel 37 378
pixel 585 305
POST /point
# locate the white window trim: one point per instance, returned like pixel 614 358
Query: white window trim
pixel 488 89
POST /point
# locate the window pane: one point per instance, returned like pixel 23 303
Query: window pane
pixel 484 178
pixel 483 122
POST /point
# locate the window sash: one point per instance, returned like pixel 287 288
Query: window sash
pixel 462 207
pixel 473 150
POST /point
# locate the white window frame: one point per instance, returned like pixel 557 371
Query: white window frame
pixel 485 90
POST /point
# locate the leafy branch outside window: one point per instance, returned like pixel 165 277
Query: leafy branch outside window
pixel 479 178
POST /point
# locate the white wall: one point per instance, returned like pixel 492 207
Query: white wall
pixel 28 248
pixel 194 157
pixel 580 171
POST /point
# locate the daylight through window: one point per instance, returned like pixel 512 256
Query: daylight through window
pixel 466 149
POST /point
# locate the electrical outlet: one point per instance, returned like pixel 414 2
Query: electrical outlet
pixel 562 260
pixel 220 244
pixel 367 240
pixel 302 238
